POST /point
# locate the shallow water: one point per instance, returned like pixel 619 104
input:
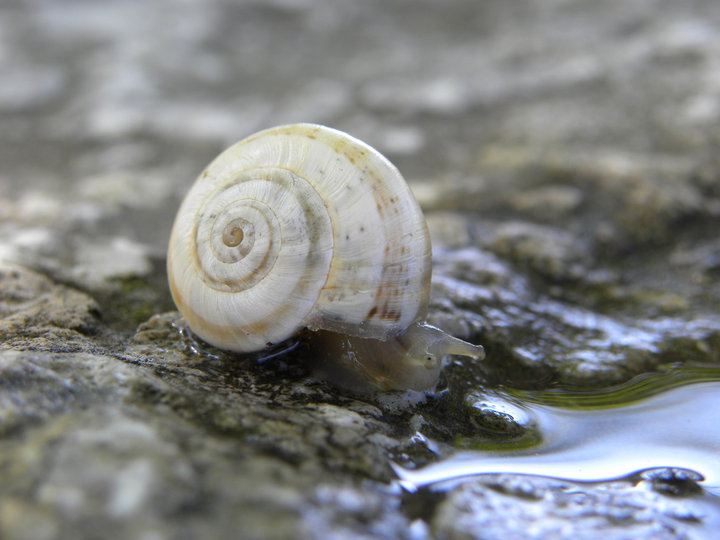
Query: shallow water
pixel 669 419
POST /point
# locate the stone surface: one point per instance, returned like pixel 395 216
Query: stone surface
pixel 564 152
pixel 518 507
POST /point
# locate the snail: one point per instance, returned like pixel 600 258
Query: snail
pixel 303 227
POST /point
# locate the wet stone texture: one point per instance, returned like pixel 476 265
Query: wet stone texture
pixel 564 153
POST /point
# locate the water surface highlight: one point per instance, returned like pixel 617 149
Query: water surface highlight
pixel 592 439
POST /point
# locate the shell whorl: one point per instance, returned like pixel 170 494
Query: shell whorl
pixel 298 226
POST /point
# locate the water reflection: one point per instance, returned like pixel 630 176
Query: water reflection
pixel 591 438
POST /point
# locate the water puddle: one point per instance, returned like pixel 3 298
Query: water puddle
pixel 670 419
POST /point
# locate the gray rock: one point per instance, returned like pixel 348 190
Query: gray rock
pixel 527 508
pixel 37 313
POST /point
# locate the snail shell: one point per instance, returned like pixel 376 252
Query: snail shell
pixel 303 226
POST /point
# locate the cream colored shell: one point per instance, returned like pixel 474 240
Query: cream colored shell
pixel 299 226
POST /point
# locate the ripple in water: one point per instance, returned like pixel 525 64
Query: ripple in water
pixel 591 438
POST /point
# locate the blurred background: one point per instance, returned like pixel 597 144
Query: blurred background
pixel 110 109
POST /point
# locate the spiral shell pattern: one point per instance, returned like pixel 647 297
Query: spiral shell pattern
pixel 298 226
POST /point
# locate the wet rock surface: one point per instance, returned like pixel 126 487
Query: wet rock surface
pixel 517 507
pixel 564 153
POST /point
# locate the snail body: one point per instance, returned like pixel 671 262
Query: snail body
pixel 305 227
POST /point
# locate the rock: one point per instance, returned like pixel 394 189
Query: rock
pixel 36 313
pixel 548 203
pixel 113 437
pixel 552 253
pixel 527 508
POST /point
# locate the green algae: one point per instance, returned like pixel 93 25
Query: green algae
pixel 642 387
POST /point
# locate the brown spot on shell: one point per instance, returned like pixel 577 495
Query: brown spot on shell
pixel 391 315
